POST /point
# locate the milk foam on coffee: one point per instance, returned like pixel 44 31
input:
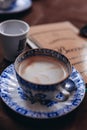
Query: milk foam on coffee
pixel 42 70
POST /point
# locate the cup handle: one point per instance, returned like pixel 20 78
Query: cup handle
pixel 65 90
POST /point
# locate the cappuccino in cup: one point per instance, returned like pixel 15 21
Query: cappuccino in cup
pixel 42 70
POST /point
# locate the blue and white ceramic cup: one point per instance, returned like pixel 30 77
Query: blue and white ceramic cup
pixel 43 74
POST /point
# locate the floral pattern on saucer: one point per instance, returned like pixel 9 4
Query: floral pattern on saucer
pixel 12 94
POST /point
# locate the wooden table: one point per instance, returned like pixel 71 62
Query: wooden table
pixel 41 12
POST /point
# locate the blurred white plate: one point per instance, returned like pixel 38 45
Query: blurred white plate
pixel 20 5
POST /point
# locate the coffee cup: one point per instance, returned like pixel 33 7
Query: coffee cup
pixel 6 4
pixel 13 36
pixel 43 74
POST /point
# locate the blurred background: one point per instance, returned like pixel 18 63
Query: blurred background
pixel 50 11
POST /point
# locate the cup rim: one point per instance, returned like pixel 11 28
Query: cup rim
pixel 15 20
pixel 56 83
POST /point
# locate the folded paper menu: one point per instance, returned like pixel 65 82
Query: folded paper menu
pixel 63 37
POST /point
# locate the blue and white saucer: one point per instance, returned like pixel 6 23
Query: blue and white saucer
pixel 13 96
pixel 20 5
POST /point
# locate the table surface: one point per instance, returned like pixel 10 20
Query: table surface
pixel 43 12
